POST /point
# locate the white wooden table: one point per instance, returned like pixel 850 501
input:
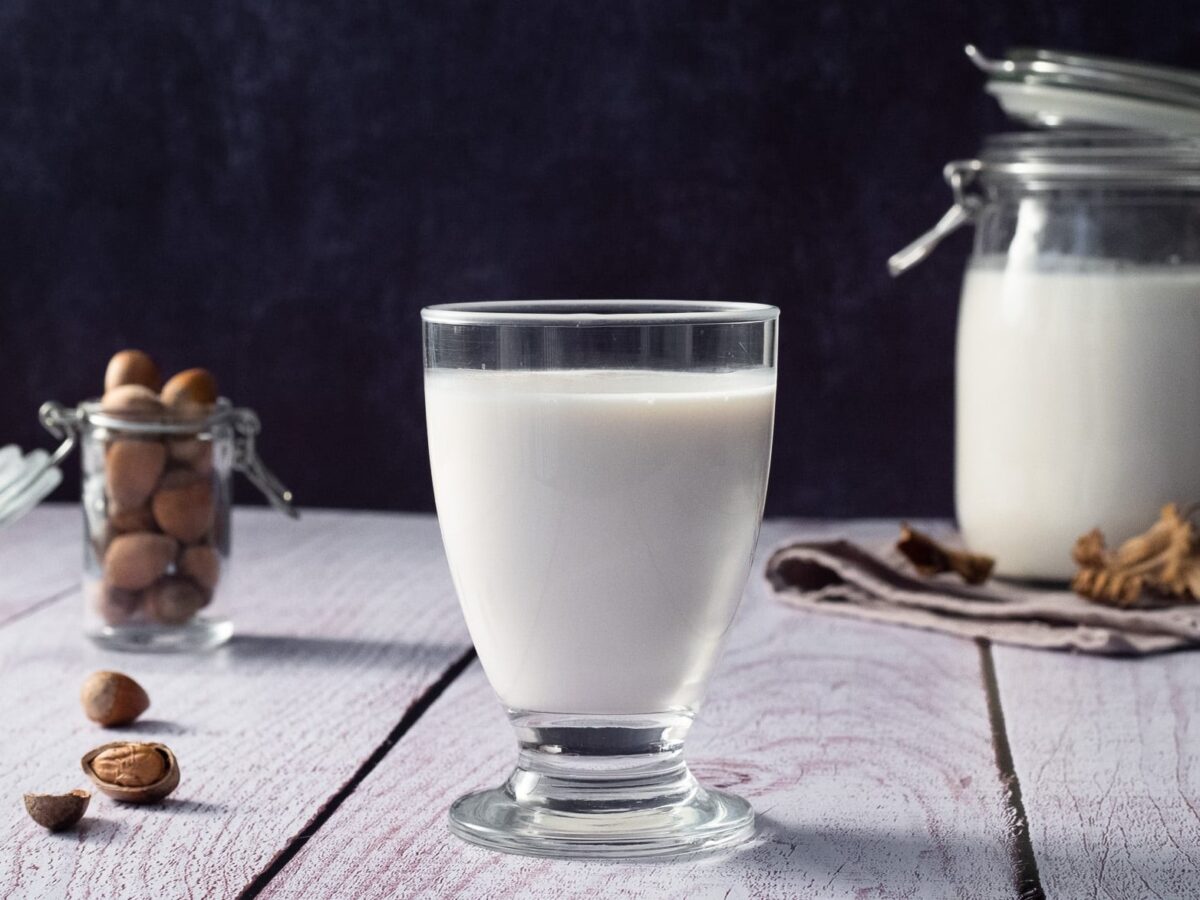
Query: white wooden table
pixel 322 746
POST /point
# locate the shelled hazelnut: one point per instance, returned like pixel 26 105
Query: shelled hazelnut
pixel 155 537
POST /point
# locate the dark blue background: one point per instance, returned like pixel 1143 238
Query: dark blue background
pixel 274 190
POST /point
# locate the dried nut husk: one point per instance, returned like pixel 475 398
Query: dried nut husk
pixel 133 400
pixel 932 558
pixel 190 390
pixel 135 561
pixel 183 505
pixel 1161 564
pixel 132 367
pixel 132 772
pixel 132 469
pixel 113 698
pixel 57 811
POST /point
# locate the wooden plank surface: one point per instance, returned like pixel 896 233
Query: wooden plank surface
pixel 40 558
pixel 866 751
pixel 344 619
pixel 1108 753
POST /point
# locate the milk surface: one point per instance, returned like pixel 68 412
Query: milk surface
pixel 599 526
pixel 1078 406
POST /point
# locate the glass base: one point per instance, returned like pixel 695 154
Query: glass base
pixel 585 790
pixel 196 635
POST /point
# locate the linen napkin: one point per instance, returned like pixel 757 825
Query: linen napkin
pixel 841 577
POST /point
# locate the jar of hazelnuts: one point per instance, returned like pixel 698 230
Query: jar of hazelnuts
pixel 158 461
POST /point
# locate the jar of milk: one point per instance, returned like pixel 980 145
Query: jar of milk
pixel 1078 354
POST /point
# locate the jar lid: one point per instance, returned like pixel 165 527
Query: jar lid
pixel 1054 89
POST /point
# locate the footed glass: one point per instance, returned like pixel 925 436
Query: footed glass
pixel 600 469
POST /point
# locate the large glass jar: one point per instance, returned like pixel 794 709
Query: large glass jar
pixel 1078 355
pixel 1078 350
pixel 157 493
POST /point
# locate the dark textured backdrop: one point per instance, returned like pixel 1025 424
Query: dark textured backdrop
pixel 275 189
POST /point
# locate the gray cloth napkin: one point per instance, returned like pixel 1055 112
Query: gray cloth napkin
pixel 843 578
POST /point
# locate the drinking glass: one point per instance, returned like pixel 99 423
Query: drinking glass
pixel 600 469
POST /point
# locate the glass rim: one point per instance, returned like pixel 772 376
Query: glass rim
pixel 583 313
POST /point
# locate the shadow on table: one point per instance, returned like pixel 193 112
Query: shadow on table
pixel 852 855
pixel 91 828
pixel 325 652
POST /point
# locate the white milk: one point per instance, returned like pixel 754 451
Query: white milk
pixel 1078 407
pixel 599 526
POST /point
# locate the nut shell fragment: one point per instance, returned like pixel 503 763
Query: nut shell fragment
pixel 57 812
pixel 132 772
pixel 931 558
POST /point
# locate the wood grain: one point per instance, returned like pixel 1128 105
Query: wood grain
pixel 1106 751
pixel 866 751
pixel 344 619
pixel 40 557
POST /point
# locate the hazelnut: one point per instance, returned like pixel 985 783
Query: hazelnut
pixel 132 367
pixel 133 469
pixel 115 605
pixel 133 400
pixel 190 389
pixel 132 772
pixel 57 812
pixel 112 698
pixel 202 564
pixel 194 453
pixel 183 505
pixel 173 600
pixel 136 561
pixel 138 519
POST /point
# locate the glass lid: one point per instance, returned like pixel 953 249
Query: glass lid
pixel 1050 88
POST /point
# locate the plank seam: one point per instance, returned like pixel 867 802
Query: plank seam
pixel 1026 878
pixel 39 605
pixel 414 712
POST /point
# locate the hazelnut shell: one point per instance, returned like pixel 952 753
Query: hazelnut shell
pixel 183 505
pixel 150 793
pixel 132 367
pixel 135 561
pixel 57 811
pixel 113 698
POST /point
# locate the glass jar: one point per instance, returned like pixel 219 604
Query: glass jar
pixel 1077 371
pixel 157 494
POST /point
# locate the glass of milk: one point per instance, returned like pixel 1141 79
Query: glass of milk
pixel 600 469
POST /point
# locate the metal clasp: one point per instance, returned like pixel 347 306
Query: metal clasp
pixel 246 427
pixel 960 175
pixel 64 424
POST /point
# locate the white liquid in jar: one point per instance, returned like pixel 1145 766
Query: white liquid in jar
pixel 599 526
pixel 1078 406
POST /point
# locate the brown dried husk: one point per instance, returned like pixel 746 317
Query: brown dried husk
pixel 1162 563
pixel 932 558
